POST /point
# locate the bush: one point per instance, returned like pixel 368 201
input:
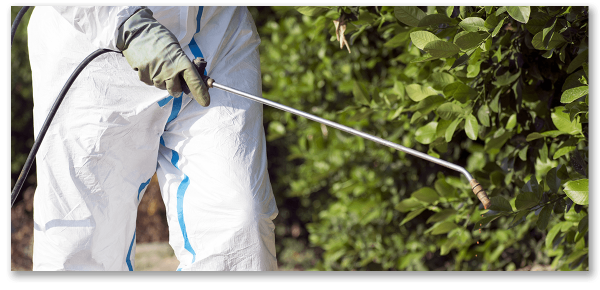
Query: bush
pixel 501 91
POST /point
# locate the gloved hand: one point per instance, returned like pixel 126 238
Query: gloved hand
pixel 154 52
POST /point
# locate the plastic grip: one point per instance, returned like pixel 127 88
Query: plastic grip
pixel 480 193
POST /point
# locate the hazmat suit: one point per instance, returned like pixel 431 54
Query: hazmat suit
pixel 113 132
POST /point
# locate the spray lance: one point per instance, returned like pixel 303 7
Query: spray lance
pixel 200 65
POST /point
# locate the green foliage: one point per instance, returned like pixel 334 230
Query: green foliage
pixel 499 90
pixel 21 101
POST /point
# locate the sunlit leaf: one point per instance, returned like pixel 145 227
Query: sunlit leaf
pixel 573 94
pixel 422 38
pixel 578 190
pixel 519 13
pixel 473 24
pixel 471 127
pixel 563 123
pixel 441 48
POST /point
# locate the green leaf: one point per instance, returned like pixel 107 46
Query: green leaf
pixel 577 190
pixel 519 13
pixel 426 134
pixel 409 15
pixel 519 217
pixel 499 203
pixel 498 27
pixel 440 130
pixel 447 246
pixel 580 59
pixel 535 187
pixel 506 79
pixel 426 194
pixel 434 19
pixel 552 133
pixel 416 116
pixel 417 93
pixel 498 142
pixel 444 189
pixel 538 43
pixel 441 48
pixel 562 173
pixel 459 91
pixel 575 255
pixel 442 215
pixel 486 220
pixel 512 121
pixel 563 123
pixel 443 228
pixel 491 21
pixel 429 104
pixel 563 150
pixel 544 217
pixel 276 130
pixel 451 129
pixel 468 40
pixel 412 215
pixel 552 234
pixel 533 136
pixel 424 58
pixel 408 204
pixel 585 68
pixel 573 94
pixel 523 153
pixel 449 111
pixel 537 22
pixel 461 60
pixel 422 38
pixel 473 24
pixel 360 94
pixel 526 200
pixel 398 40
pixel 544 153
pixel 536 135
pixel 440 80
pixel 483 114
pixel 583 224
pixel 500 10
pixel 576 109
pixel 471 127
pixel 572 80
pixel 548 31
pixel 552 180
pixel 311 10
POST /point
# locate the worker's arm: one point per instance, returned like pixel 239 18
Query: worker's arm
pixel 149 47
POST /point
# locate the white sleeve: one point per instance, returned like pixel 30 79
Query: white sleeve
pixel 99 23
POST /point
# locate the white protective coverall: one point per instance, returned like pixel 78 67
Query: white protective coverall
pixel 113 132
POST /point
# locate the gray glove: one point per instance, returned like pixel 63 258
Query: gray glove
pixel 154 52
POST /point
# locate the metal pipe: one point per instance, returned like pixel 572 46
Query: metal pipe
pixel 347 129
pixel 475 186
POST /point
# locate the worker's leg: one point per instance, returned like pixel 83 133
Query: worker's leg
pixel 213 174
pixel 98 155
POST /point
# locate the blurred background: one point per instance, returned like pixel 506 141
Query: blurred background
pixel 346 203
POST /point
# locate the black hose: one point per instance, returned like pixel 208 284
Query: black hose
pixel 40 137
pixel 16 23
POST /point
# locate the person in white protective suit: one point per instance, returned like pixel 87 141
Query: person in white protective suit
pixel 125 118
